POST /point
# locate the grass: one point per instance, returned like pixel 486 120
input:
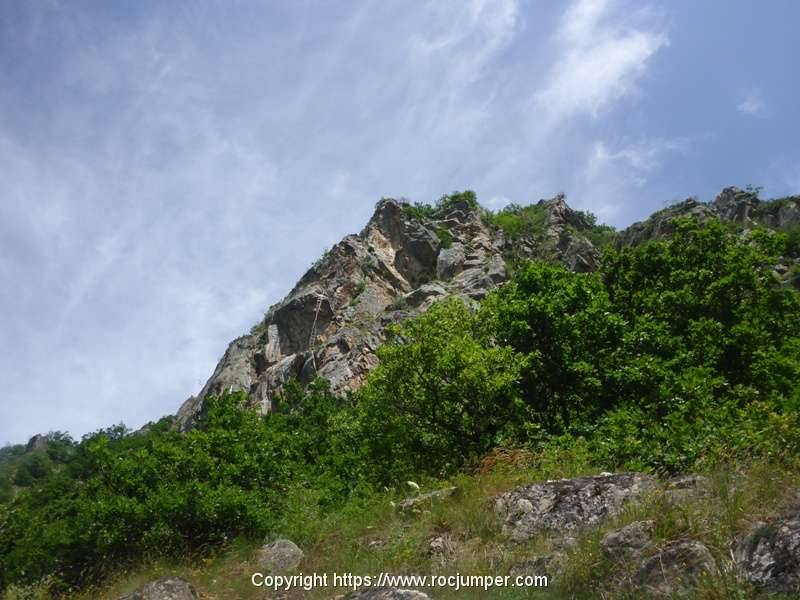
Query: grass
pixel 367 536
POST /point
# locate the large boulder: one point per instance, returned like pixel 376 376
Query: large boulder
pixel 165 588
pixel 279 556
pixel 677 567
pixel 567 504
pixel 769 554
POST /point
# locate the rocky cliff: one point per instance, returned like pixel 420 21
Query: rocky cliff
pixel 332 322
pixel 334 319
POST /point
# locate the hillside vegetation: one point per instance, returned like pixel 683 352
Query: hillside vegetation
pixel 676 355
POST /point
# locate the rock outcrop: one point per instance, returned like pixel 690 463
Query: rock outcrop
pixel 332 322
pixel 567 504
pixel 732 205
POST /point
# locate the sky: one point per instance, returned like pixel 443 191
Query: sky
pixel 168 170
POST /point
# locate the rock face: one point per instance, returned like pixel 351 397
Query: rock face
pixel 335 318
pixel 166 588
pixel 567 504
pixel 660 224
pixel 279 556
pixel 732 205
pixel 769 555
pixel 676 567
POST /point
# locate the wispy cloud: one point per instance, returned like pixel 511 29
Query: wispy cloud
pixel 752 104
pixel 600 60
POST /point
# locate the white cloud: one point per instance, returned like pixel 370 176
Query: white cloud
pixel 599 62
pixel 752 104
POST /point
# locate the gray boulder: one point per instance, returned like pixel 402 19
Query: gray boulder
pixel 627 542
pixel 279 556
pixel 387 593
pixel 676 568
pixel 165 588
pixel 769 555
pixel 567 504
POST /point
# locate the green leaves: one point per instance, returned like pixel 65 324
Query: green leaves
pixel 440 396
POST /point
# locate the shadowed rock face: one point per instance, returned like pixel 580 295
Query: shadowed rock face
pixel 393 269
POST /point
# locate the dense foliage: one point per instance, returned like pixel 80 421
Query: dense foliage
pixel 442 206
pixel 674 352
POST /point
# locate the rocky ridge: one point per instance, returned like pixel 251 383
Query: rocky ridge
pixel 334 319
pixel 331 324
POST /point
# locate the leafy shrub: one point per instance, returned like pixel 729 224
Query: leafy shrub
pixel 439 396
pixel 519 221
pixel 419 210
pixel 445 204
pixel 444 237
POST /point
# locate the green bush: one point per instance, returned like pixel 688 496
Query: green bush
pixel 445 238
pixel 420 210
pixel 519 221
pixel 439 396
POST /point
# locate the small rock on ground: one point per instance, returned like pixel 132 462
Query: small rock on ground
pixel 165 588
pixel 279 556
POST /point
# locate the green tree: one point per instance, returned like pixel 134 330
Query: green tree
pixel 439 396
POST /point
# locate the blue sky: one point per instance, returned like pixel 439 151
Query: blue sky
pixel 169 169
